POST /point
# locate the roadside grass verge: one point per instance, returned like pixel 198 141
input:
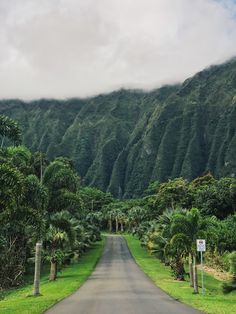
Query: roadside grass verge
pixel 20 301
pixel 214 302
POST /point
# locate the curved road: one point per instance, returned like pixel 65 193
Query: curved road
pixel 118 286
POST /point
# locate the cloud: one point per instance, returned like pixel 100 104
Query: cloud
pixel 78 48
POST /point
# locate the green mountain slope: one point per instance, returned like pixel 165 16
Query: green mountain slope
pixel 123 140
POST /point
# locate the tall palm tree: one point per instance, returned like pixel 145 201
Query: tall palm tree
pixel 190 226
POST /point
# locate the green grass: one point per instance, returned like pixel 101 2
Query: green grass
pixel 215 302
pixel 20 301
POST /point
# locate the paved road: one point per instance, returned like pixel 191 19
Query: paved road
pixel 118 286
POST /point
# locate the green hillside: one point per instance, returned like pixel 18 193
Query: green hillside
pixel 123 140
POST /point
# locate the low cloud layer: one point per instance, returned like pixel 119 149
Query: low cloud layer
pixel 78 48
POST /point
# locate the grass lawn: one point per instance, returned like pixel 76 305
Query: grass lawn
pixel 214 301
pixel 19 301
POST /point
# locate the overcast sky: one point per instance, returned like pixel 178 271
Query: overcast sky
pixel 70 48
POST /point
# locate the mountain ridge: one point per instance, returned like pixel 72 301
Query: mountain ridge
pixel 123 140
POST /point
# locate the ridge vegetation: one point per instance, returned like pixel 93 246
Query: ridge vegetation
pixel 122 141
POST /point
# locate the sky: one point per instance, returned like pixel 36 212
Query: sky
pixel 79 48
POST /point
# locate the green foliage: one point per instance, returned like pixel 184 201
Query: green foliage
pixel 12 185
pixel 217 260
pixel 9 129
pixel 168 224
pixel 216 198
pixel 63 183
pixel 20 157
pixel 172 194
pixel 153 188
pixel 59 175
pixel 41 201
pixel 39 162
pixel 35 195
pixel 94 199
pixel 20 220
pixel 231 285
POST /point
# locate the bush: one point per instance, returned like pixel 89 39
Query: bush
pixel 233 265
pixel 230 286
pixel 217 261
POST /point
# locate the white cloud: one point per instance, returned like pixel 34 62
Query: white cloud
pixel 68 48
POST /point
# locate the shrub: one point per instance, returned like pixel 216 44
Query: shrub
pixel 231 285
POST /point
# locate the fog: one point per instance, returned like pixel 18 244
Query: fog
pixel 78 48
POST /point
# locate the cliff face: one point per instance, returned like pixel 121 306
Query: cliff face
pixel 123 140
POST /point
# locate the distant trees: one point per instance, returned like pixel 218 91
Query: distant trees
pixel 215 197
pixel 172 194
pixel 173 215
pixel 94 199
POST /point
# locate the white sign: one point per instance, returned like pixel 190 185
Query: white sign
pixel 201 245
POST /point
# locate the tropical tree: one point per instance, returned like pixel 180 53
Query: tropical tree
pixel 19 157
pixel 172 194
pixel 214 197
pixel 11 184
pixel 39 163
pixel 60 238
pixel 136 215
pixel 63 184
pixel 9 129
pixel 21 221
pixel 41 201
pixel 94 199
pixel 231 285
pixel 36 199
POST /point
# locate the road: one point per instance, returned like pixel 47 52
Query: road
pixel 118 286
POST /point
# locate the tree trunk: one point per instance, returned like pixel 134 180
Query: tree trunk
pixel 121 226
pixel 37 269
pixel 110 225
pixel 179 269
pixel 195 277
pixel 3 138
pixel 190 263
pixel 41 169
pixel 117 225
pixel 53 269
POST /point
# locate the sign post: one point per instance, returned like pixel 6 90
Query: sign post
pixel 201 247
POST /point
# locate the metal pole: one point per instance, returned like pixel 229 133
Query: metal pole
pixel 202 276
pixel 37 269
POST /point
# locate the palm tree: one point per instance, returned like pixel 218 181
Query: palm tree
pixel 10 129
pixel 190 226
pixel 121 220
pixel 161 236
pixel 55 239
pixel 11 184
pixel 60 235
pixel 136 215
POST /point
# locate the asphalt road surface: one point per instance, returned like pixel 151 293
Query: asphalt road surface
pixel 118 286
